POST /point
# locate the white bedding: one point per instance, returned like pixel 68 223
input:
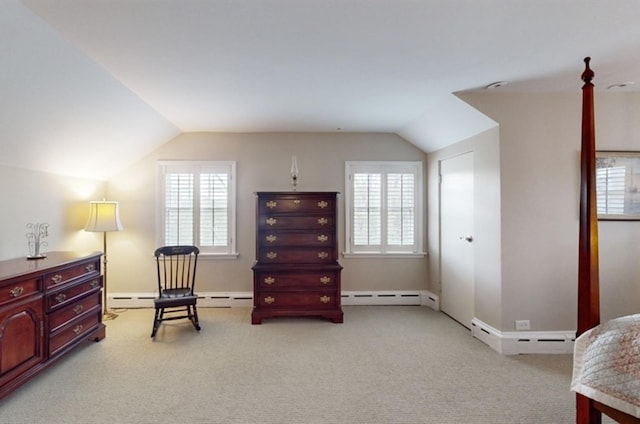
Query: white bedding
pixel 606 364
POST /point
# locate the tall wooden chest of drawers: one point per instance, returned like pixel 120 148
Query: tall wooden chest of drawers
pixel 296 271
pixel 47 307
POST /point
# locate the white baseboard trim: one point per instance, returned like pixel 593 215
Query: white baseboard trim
pixel 244 299
pixel 522 342
pixel 431 300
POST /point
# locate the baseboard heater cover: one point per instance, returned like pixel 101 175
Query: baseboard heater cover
pixel 523 342
pixel 245 299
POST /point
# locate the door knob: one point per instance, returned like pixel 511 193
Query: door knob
pixel 467 238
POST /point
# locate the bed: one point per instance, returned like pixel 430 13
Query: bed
pixel 606 370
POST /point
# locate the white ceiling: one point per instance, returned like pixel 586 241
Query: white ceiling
pixel 89 86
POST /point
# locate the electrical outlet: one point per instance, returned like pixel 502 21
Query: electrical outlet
pixel 523 324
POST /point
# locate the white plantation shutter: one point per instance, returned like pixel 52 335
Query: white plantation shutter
pixel 610 186
pixel 214 209
pixel 178 209
pixel 401 213
pixel 383 200
pixel 198 205
pixel 367 209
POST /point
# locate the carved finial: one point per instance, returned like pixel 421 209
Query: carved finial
pixel 587 75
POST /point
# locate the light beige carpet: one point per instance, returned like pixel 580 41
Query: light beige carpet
pixel 385 364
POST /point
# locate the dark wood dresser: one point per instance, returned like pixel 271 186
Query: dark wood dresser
pixel 296 271
pixel 47 307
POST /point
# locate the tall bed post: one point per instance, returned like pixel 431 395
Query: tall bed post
pixel 588 269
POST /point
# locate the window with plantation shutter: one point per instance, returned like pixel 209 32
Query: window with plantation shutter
pixel 383 204
pixel 197 205
pixel 618 185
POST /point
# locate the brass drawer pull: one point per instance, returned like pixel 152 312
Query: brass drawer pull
pixel 78 329
pixel 271 238
pixel 94 283
pixel 272 204
pixel 56 279
pixel 271 221
pixel 269 280
pixel 16 291
pixel 78 309
pixel 322 204
pixel 325 299
pixel 90 267
pixel 322 238
pixel 296 202
pixel 323 255
pixel 272 255
pixel 323 221
pixel 325 280
pixel 269 300
pixel 61 297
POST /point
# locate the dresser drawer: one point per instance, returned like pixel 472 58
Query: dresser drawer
pixel 73 330
pixel 61 276
pixel 288 222
pixel 294 203
pixel 307 238
pixel 278 280
pixel 19 289
pixel 70 294
pixel 302 300
pixel 297 255
pixel 60 317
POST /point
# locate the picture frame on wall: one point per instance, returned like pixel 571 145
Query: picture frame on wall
pixel 618 185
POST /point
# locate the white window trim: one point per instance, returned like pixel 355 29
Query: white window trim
pixel 192 166
pixel 414 166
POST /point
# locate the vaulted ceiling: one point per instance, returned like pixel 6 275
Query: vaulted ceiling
pixel 90 86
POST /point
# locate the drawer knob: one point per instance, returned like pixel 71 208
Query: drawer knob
pixel 296 202
pixel 61 297
pixel 272 204
pixel 94 284
pixel 322 238
pixel 272 255
pixel 269 280
pixel 269 300
pixel 78 309
pixel 271 221
pixel 322 204
pixel 325 280
pixel 271 238
pixel 325 299
pixel 90 267
pixel 323 221
pixel 323 255
pixel 78 329
pixel 56 279
pixel 16 291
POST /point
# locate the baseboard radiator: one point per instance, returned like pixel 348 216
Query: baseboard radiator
pixel 522 342
pixel 245 299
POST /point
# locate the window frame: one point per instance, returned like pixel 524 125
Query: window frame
pixel 165 167
pixel 384 168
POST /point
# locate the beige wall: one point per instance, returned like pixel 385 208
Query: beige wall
pixel 539 163
pixel 487 266
pixel 37 197
pixel 263 164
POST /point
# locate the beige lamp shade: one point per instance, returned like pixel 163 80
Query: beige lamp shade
pixel 103 216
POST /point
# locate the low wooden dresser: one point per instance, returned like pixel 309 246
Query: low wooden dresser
pixel 47 307
pixel 296 271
